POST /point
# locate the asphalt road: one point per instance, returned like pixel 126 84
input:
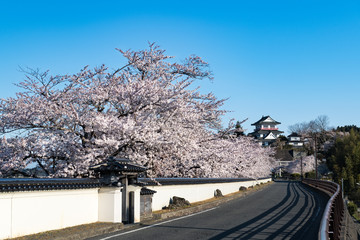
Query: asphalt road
pixel 284 210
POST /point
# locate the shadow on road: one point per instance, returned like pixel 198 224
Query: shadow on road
pixel 287 210
pixel 270 224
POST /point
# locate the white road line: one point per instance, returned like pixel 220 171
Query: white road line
pixel 143 228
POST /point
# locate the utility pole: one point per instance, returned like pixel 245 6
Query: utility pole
pixel 301 163
pixel 316 166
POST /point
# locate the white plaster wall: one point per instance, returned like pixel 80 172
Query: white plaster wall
pixel 195 192
pixel 38 211
pixel 136 190
pixel 5 215
pixel 110 204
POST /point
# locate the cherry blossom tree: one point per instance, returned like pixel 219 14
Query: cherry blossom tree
pixel 148 110
pixel 308 165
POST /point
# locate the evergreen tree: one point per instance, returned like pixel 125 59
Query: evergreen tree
pixel 344 159
pixel 239 131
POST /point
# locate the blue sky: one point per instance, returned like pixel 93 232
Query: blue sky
pixel 292 60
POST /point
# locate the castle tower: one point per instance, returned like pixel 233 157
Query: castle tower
pixel 266 131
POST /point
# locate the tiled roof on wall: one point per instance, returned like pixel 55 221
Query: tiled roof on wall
pixel 41 184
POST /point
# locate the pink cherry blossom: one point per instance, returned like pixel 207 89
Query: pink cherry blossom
pixel 308 163
pixel 149 110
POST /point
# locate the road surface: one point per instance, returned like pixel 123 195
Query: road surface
pixel 284 210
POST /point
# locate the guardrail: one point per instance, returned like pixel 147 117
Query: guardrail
pixel 330 226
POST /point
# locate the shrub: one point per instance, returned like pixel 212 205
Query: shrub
pixel 355 196
pixel 242 188
pixel 218 193
pixel 310 174
pixel 352 207
pixel 295 176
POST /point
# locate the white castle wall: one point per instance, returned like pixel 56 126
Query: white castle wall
pixel 30 212
pixel 196 192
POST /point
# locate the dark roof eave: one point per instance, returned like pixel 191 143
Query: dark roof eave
pixel 27 184
pixel 118 166
pixel 146 191
pixel 267 131
pixel 294 135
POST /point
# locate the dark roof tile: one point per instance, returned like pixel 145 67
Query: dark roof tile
pixel 146 191
pixel 36 184
pixel 263 119
pixel 122 165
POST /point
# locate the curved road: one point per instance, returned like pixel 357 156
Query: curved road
pixel 284 210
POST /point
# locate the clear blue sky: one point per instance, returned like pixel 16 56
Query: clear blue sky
pixel 292 60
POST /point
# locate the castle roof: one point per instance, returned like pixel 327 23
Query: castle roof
pixel 266 119
pixel 266 132
pixel 294 134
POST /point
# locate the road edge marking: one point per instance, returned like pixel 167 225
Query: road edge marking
pixel 157 224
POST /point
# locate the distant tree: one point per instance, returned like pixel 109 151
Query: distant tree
pixel 239 131
pixel 147 110
pixel 280 143
pixel 320 124
pixel 348 128
pixel 344 160
pixel 308 165
pixel 282 138
pixel 316 132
